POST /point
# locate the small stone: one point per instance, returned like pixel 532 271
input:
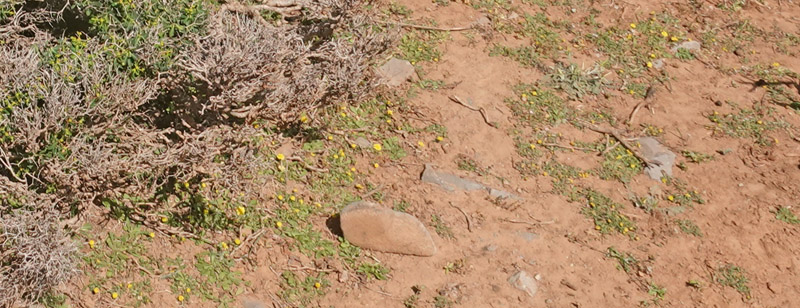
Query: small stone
pixel 523 281
pixel 662 158
pixel 367 225
pixel 448 181
pixel 363 143
pixel 396 71
pixel 496 193
pixel 718 103
pixel 249 303
pixel 528 236
pixel 538 277
pixel 658 64
pixel 688 45
pixel 490 248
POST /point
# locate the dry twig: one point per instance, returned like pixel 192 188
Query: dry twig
pixel 481 110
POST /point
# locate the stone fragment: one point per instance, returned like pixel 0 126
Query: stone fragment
pixel 370 226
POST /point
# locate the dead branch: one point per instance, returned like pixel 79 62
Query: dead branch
pixel 481 110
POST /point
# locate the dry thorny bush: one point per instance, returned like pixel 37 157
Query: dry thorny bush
pixel 75 130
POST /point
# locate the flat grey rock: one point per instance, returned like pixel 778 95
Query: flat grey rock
pixel 363 143
pixel 396 71
pixel 658 64
pixel 368 225
pixel 688 45
pixel 448 181
pixel 523 281
pixel 496 193
pixel 653 151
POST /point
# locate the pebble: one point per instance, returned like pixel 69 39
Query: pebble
pixel 662 158
pixel 688 45
pixel 395 72
pixel 523 281
pixel 368 225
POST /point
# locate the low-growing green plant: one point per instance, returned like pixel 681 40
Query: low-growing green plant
pixel 786 215
pixel 733 276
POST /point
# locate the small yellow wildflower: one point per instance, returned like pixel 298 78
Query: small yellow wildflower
pixel 539 141
pixel 776 64
pixel 664 33
pixel 280 197
pixel 389 112
pixel 359 186
pixel 649 64
pixel 439 138
pixel 421 144
pixel 223 245
pixel 235 241
pixel 375 165
pixel 317 285
pixel 545 173
pixel 303 118
pixel 180 298
pixel 203 185
pixel 652 55
pixel 534 93
pixel 633 26
pixel 633 166
pixel 671 197
pixel 279 224
pixel 533 146
pixel 597 227
pixel 292 198
pixel 377 147
pixel 240 210
pixel 759 122
pixel 91 243
pixel 114 295
pixel 318 204
pixel 280 156
pixel 151 235
pixel 330 137
pixel 674 39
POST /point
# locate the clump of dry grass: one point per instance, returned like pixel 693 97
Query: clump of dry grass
pixel 77 128
pixel 35 253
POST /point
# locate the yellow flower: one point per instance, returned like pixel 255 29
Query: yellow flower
pixel 759 122
pixel 539 141
pixel 317 285
pixel 114 295
pixel 633 166
pixel 664 33
pixel 652 55
pixel 376 165
pixel 180 298
pixel 303 119
pixel 318 204
pixel 775 64
pixel 280 197
pixel 151 235
pixel 130 285
pixel 280 156
pixel 240 210
pixel 91 243
pixel 633 26
pixel 279 224
pixel 545 173
pixel 353 145
pixel 203 185
pixel 421 144
pixel 330 137
pixel 534 93
pixel 674 39
pixel 377 147
pixel 389 112
pixel 292 198
pixel 223 245
pixel 671 197
pixel 649 64
pixel 439 138
pixel 95 290
pixel 235 241
pixel 533 146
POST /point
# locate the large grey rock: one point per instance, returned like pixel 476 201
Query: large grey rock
pixel 523 281
pixel 658 154
pixel 448 181
pixel 452 182
pixel 370 226
pixel 688 45
pixel 394 72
